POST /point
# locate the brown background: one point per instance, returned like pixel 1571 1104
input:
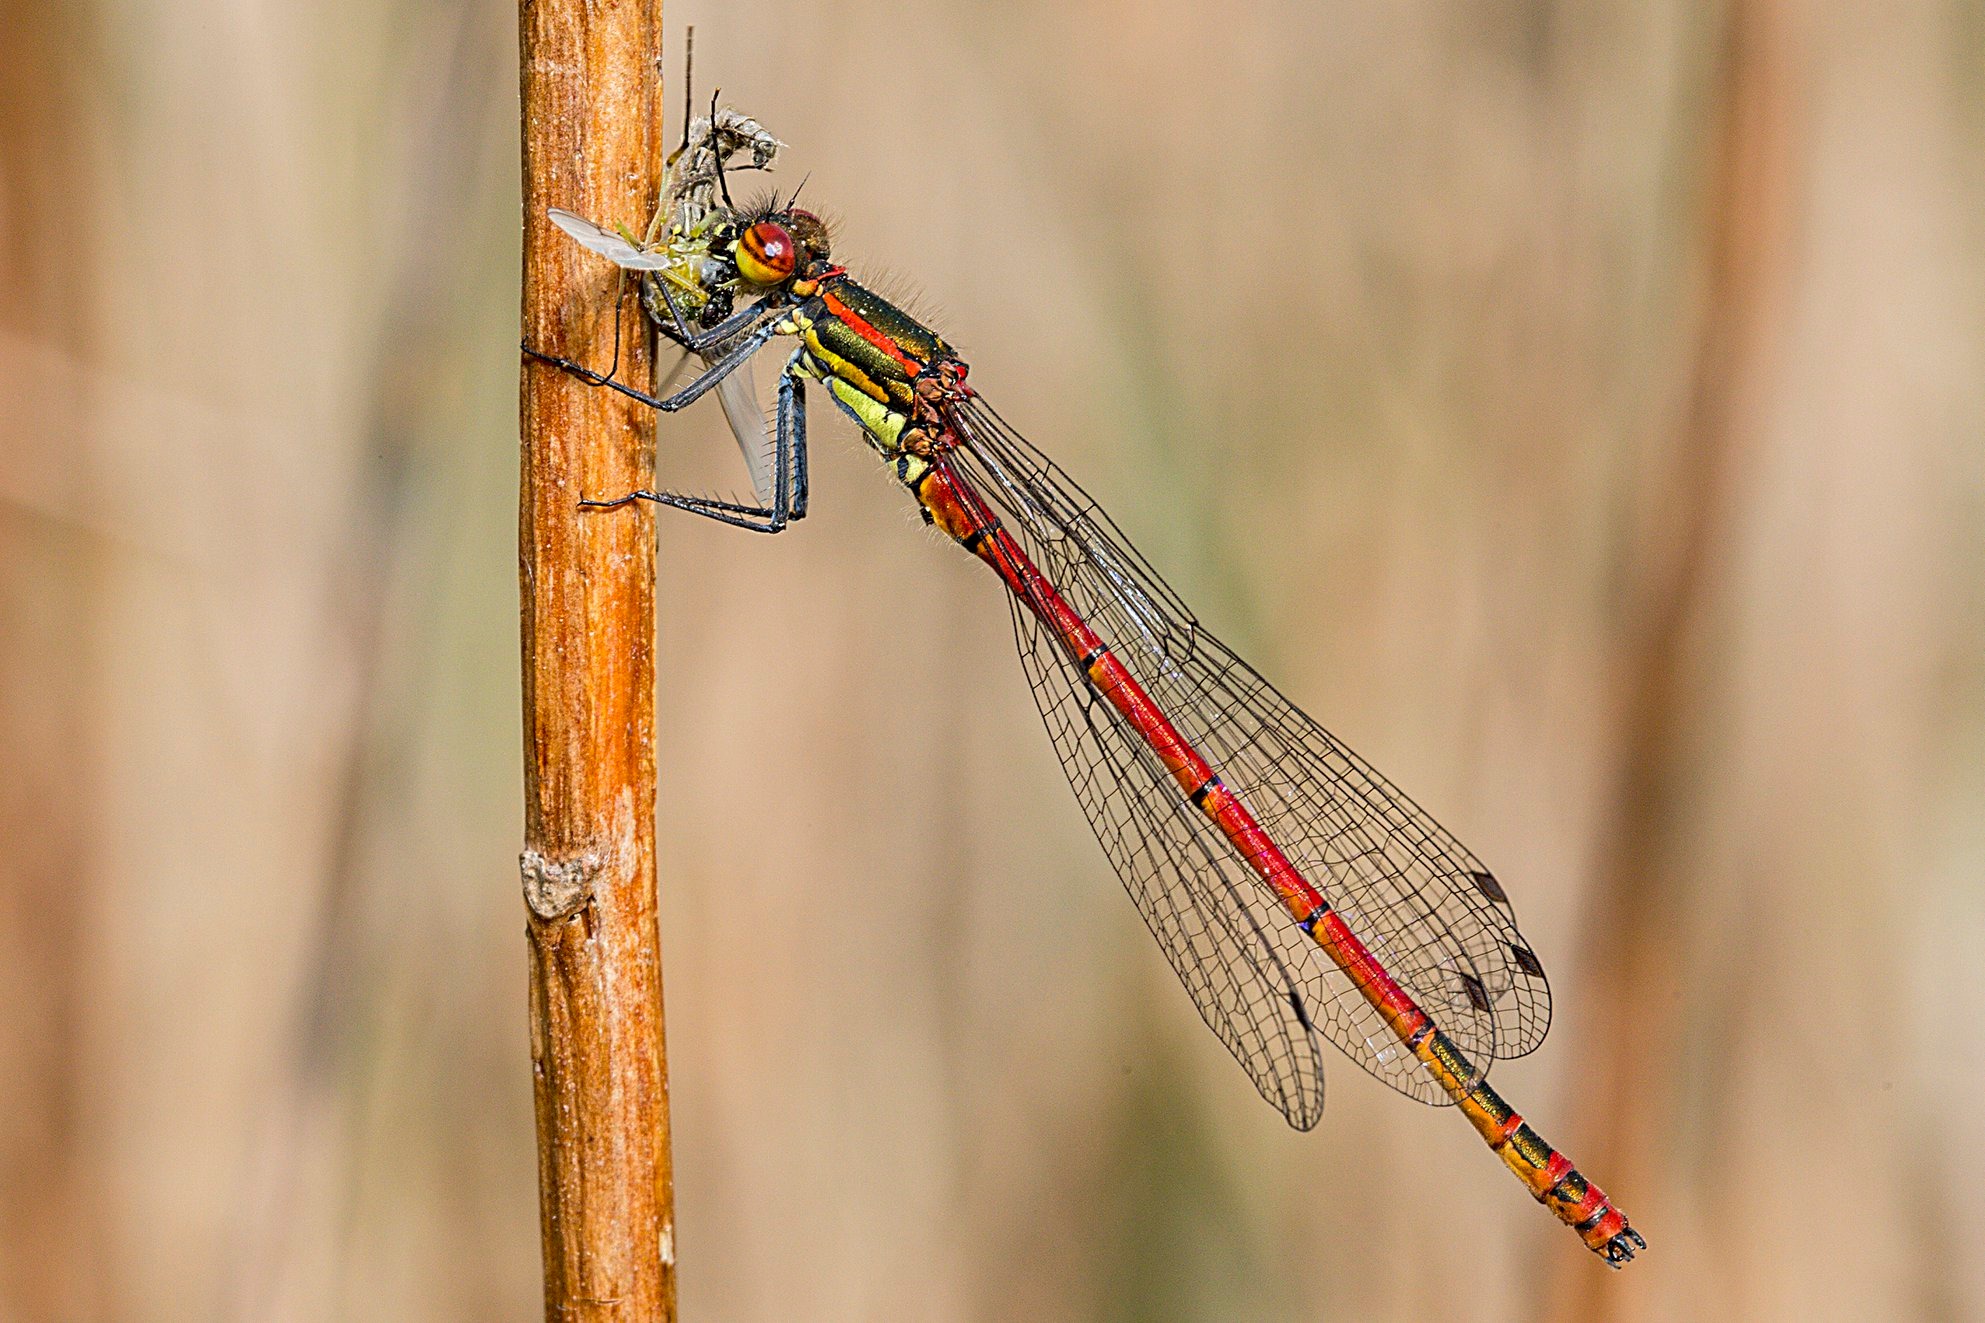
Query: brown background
pixel 1576 405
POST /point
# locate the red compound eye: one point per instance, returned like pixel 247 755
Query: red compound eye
pixel 766 254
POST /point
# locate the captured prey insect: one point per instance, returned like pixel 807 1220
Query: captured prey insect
pixel 688 281
pixel 1295 891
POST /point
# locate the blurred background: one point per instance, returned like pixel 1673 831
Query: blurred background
pixel 1577 406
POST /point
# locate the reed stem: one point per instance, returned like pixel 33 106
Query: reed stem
pixel 592 139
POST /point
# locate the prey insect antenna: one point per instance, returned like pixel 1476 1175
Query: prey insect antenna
pixel 591 376
pixel 688 94
pixel 723 184
pixel 586 374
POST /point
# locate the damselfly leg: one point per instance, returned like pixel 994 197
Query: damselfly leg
pixel 789 489
pixel 745 332
pixel 677 328
pixel 733 358
pixel 792 426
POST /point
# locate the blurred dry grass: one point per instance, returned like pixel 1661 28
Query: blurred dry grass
pixel 1387 330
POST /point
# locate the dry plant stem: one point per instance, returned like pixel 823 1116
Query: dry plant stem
pixel 592 143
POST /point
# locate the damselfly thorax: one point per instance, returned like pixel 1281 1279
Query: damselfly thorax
pixel 886 370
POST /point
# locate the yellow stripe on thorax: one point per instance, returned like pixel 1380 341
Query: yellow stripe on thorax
pixel 834 363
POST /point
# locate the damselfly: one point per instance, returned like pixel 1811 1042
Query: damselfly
pixel 1295 891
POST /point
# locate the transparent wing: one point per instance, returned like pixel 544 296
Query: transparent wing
pixel 1245 965
pixel 608 245
pixel 746 413
pixel 1429 911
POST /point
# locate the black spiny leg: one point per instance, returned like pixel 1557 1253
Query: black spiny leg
pixel 734 358
pixel 658 301
pixel 792 424
pixel 789 463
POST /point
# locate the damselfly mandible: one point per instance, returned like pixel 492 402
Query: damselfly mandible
pixel 1296 892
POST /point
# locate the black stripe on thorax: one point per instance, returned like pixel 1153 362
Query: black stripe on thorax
pixel 910 335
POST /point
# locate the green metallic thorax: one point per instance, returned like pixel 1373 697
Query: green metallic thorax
pixel 868 353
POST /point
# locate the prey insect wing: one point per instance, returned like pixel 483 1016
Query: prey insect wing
pixel 608 245
pixel 1419 900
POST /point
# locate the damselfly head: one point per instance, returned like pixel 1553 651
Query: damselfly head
pixel 767 253
pixel 811 231
pixel 776 245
